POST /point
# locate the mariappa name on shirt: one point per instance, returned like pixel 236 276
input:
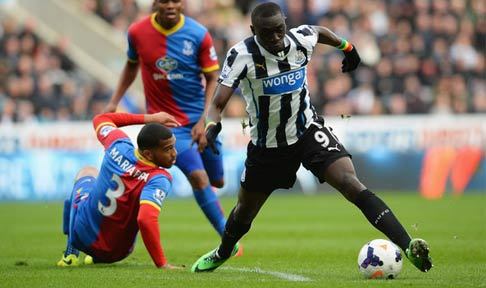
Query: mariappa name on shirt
pixel 126 166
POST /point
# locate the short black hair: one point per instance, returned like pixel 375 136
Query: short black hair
pixel 268 9
pixel 151 134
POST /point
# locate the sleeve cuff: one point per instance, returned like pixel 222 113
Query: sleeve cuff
pixel 210 68
pixel 150 203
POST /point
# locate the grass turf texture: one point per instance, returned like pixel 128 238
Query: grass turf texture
pixel 315 237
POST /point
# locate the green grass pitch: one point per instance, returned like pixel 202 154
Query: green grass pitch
pixel 297 241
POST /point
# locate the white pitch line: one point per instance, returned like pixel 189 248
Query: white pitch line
pixel 282 275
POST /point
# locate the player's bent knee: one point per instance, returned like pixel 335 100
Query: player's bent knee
pixel 351 186
pixel 87 171
pixel 219 183
pixel 199 179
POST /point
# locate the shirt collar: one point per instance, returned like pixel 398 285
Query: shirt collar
pixel 170 31
pixel 281 54
pixel 143 159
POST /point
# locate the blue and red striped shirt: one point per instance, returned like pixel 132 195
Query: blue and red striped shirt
pixel 172 62
pixel 107 224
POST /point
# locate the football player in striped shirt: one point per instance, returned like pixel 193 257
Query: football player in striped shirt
pixel 285 130
pixel 173 52
pixel 108 207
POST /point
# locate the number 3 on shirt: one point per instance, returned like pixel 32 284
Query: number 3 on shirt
pixel 112 195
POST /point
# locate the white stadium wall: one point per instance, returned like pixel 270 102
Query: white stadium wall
pixel 431 155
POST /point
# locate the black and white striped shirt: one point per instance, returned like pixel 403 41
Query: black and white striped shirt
pixel 274 87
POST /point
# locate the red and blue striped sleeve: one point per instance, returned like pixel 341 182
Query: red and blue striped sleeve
pixel 155 191
pixel 149 228
pixel 151 199
pixel 106 126
pixel 208 59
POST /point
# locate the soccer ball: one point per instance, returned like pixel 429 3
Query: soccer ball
pixel 380 259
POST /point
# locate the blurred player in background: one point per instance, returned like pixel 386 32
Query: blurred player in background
pixel 286 131
pixel 107 208
pixel 173 51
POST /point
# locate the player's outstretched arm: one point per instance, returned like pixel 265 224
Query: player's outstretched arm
pixel 148 224
pixel 125 119
pixel 105 123
pixel 213 119
pixel 351 56
pixel 162 118
pixel 218 103
pixel 327 37
pixel 151 198
pixel 127 77
pixel 149 229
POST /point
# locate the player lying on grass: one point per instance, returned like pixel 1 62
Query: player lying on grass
pixel 286 132
pixel 106 209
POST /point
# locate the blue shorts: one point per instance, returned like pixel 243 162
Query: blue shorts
pixel 189 159
pixel 83 229
pixel 81 189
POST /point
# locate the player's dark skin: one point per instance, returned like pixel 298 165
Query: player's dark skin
pixel 168 12
pixel 270 33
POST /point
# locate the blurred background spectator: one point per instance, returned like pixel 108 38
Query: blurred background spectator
pixel 419 56
pixel 39 83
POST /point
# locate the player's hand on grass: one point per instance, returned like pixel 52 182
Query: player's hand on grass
pixel 212 131
pixel 199 136
pixel 173 267
pixel 351 60
pixel 162 118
